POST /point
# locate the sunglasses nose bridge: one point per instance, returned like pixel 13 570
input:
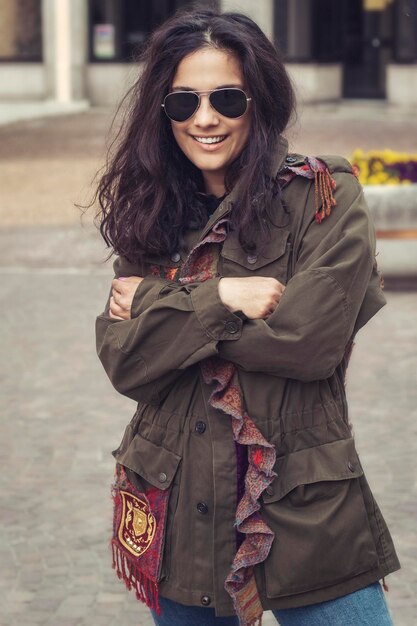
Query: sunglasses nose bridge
pixel 205 110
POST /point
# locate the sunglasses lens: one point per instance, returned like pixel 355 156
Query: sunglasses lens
pixel 229 102
pixel 180 106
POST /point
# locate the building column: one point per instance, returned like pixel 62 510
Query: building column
pixel 261 12
pixel 64 28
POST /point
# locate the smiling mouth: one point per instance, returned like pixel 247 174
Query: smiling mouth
pixel 210 140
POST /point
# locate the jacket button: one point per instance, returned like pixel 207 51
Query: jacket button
pixel 175 257
pixel 231 327
pixel 200 427
pixel 252 258
pixel 202 508
pixel 270 490
pixel 162 477
pixel 351 466
pixel 291 159
pixel 205 600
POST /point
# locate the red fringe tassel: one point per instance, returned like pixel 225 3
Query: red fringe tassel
pixel 323 188
pixel 146 589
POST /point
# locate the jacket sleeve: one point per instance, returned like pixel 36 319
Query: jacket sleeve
pixel 172 328
pixel 334 291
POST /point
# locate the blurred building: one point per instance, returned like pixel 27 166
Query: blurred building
pixel 74 50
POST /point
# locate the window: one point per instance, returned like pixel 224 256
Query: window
pixel 328 19
pixel 119 28
pixel 20 30
pixel 309 30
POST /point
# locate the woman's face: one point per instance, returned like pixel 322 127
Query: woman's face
pixel 204 70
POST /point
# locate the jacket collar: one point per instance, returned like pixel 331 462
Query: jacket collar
pixel 278 156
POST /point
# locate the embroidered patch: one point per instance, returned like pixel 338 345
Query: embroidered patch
pixel 137 524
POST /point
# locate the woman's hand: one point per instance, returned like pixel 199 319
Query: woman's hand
pixel 123 290
pixel 256 296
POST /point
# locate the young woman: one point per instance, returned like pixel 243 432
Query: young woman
pixel 242 277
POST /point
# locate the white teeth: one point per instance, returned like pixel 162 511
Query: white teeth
pixel 210 139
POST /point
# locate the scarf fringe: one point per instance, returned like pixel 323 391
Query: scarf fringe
pixel 146 589
pixel 324 184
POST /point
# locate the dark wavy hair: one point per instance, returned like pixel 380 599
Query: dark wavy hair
pixel 147 193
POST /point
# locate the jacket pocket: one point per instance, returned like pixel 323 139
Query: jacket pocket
pixel 316 509
pixel 153 465
pixel 270 260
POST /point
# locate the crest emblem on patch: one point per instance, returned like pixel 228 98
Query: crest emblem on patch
pixel 137 525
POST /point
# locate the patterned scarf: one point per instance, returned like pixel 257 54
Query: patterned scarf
pixel 240 583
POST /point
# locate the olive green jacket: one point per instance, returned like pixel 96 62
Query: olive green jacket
pixel 330 536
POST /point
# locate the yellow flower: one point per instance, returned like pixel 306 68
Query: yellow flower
pixel 373 166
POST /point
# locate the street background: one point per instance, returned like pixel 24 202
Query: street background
pixel 60 417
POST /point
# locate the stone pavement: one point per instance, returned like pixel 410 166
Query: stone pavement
pixel 61 418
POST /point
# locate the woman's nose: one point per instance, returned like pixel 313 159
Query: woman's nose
pixel 205 115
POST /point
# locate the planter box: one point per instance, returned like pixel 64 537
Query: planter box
pixel 394 210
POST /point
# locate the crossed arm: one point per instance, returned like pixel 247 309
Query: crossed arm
pixel 153 329
pixel 256 296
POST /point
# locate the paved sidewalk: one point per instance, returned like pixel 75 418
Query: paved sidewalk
pixel 61 418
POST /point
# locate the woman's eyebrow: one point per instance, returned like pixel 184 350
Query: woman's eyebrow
pixel 183 88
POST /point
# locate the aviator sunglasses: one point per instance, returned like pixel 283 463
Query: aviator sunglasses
pixel 229 101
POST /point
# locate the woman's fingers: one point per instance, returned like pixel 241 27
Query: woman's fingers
pixel 275 299
pixel 122 293
pixel 117 286
pixel 120 300
pixel 125 284
pixel 115 317
pixel 116 311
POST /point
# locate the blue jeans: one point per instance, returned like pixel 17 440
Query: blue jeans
pixel 366 607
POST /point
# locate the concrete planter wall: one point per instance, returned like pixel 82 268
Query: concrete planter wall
pixel 394 210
